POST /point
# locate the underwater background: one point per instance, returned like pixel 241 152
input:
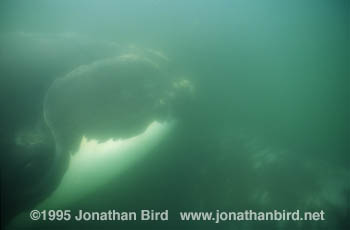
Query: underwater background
pixel 261 124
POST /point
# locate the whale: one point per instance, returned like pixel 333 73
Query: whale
pixel 96 121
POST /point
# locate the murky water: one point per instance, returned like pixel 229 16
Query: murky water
pixel 178 106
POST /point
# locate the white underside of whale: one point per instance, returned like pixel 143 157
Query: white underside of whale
pixel 97 163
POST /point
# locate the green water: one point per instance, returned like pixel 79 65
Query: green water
pixel 265 127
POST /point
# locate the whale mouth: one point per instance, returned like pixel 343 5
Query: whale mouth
pixel 114 97
pixel 104 116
